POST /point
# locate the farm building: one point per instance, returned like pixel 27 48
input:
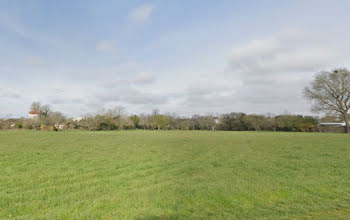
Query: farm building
pixel 34 114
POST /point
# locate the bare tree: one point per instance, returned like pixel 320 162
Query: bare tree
pixel 155 112
pixel 56 118
pixel 146 121
pixel 330 92
pixel 45 110
pixel 35 106
pixel 118 115
pixel 88 122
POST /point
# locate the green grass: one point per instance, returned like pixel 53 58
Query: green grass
pixel 174 175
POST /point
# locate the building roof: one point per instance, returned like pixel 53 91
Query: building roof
pixel 34 112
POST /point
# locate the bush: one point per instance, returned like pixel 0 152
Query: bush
pixel 18 125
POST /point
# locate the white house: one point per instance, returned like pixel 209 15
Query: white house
pixel 34 114
pixel 78 119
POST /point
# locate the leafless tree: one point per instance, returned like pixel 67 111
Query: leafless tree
pixel 88 122
pixel 146 121
pixel 36 106
pixel 56 118
pixel 45 110
pixel 330 92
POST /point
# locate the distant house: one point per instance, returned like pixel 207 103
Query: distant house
pixel 33 114
pixel 78 119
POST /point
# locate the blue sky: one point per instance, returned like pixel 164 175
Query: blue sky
pixel 178 56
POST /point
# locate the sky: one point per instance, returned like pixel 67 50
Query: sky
pixel 184 56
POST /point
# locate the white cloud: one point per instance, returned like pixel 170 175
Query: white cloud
pixel 12 23
pixel 10 93
pixel 275 69
pixel 128 97
pixel 140 79
pixel 255 48
pixel 106 46
pixel 143 78
pixel 141 13
pixel 289 51
pixel 137 97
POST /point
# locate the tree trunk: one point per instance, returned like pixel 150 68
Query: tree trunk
pixel 346 128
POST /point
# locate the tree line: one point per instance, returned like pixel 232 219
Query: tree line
pixel 117 119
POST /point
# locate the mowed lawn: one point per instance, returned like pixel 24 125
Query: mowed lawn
pixel 174 175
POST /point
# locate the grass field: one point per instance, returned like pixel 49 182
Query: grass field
pixel 174 175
